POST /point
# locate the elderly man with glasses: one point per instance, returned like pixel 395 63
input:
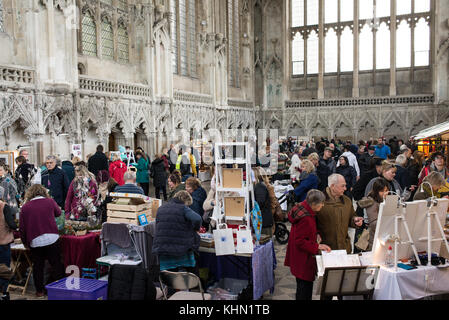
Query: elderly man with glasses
pixel 56 181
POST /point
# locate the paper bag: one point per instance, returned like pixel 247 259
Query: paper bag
pixel 224 240
pixel 244 240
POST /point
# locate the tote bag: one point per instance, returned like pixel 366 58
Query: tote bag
pixel 244 240
pixel 224 240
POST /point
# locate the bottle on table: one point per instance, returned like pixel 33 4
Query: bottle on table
pixel 389 258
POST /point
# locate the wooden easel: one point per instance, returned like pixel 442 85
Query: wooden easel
pixel 17 263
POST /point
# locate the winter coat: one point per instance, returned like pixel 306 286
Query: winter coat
pixel 263 200
pixel 333 222
pixel 198 197
pixel 10 194
pixel 372 212
pixel 382 151
pixel 82 198
pixel 97 162
pixel 349 174
pixel 175 235
pixel 364 162
pixel 56 181
pixel 358 190
pixel 393 186
pixel 403 177
pixel 352 161
pixel 159 173
pixel 142 171
pixel 294 167
pixel 69 169
pixel 24 172
pixel 130 283
pixel 117 170
pixel 7 224
pixel 302 243
pixel 330 163
pixel 309 183
pixel 180 187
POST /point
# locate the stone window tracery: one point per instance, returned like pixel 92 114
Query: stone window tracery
pixel 233 42
pixel 122 43
pixel 88 34
pixel 184 44
pixel 2 29
pixel 107 39
pixel 412 40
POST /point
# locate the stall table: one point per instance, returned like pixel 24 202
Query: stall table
pixel 257 268
pixel 411 284
pixel 22 256
pixel 81 251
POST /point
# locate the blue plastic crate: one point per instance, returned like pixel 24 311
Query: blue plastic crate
pixel 89 289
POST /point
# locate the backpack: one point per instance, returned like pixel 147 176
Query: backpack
pixel 184 167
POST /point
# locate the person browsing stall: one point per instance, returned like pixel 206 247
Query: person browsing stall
pixel 130 185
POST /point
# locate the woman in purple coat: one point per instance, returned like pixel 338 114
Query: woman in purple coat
pixel 83 196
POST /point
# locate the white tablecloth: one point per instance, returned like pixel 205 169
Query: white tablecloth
pixel 411 284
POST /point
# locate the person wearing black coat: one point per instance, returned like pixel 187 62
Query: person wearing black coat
pixel 55 180
pixel 358 191
pixel 199 195
pixel 262 198
pixel 98 161
pixel 159 176
pixel 349 173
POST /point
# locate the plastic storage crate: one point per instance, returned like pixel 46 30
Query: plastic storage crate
pixel 89 289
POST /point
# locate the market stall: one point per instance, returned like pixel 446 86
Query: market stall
pixel 433 139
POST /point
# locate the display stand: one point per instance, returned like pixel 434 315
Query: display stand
pixel 129 156
pixel 349 281
pixel 22 252
pixel 245 189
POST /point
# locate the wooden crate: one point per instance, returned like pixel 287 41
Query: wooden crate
pixel 127 220
pixel 232 178
pixel 128 214
pixel 129 207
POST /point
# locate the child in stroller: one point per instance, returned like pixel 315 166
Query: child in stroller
pixel 281 232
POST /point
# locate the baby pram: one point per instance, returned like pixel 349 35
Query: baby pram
pixel 281 232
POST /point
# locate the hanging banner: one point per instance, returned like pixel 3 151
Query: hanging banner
pixel 76 150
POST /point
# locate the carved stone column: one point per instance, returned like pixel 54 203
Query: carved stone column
pixel 355 77
pixel 393 27
pixel 321 51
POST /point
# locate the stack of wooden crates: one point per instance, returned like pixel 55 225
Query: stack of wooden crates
pixel 127 207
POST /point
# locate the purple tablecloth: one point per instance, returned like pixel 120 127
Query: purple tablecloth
pixel 261 266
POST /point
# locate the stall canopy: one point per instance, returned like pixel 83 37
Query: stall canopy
pixel 439 129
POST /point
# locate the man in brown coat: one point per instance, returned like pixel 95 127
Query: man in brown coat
pixel 337 216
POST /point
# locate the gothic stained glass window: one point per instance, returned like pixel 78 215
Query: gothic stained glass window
pixel 403 45
pixel 383 8
pixel 107 39
pixel 331 11
pixel 366 48
pixel 174 32
pixel 404 7
pixel 122 44
pixel 1 17
pixel 422 5
pixel 297 13
pixel 366 9
pixel 312 53
pixel 88 35
pixel 192 35
pixel 422 43
pixel 234 42
pixel 312 12
pixel 383 47
pixel 330 51
pixel 298 54
pixel 347 58
pixel 184 30
pixel 346 10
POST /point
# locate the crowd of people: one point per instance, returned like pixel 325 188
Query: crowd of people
pixel 345 176
pixel 329 178
pixel 37 195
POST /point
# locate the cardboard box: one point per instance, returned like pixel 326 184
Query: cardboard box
pixel 234 207
pixel 232 178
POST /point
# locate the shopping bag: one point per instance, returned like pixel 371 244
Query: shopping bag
pixel 224 240
pixel 256 218
pixel 244 240
pixel 363 241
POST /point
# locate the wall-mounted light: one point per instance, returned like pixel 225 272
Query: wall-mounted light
pixel 203 23
pixel 245 35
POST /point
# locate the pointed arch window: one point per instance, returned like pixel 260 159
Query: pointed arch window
pixel 298 54
pixel 122 43
pixel 2 29
pixel 107 39
pixel 184 44
pixel 88 34
pixel 233 43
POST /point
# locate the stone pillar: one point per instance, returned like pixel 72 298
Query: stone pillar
pixel 129 138
pixel 355 77
pixel 321 50
pixel 393 48
pixel 51 39
pixel 37 149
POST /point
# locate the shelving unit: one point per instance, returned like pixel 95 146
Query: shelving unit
pixel 247 186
